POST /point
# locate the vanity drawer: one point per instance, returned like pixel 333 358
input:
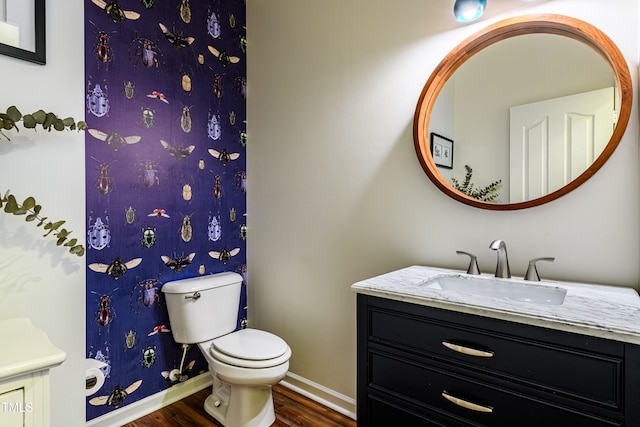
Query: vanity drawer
pixel 543 365
pixel 425 385
pixel 385 411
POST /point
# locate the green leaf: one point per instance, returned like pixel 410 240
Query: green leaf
pixel 82 125
pixel 77 250
pixel 40 116
pixel 13 113
pixel 71 242
pixel 28 121
pixel 58 125
pixel 55 225
pixel 29 203
pixel 8 124
pixel 69 121
pixel 49 121
pixel 12 205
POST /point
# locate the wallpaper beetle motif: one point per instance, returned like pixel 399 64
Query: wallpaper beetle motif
pixel 149 71
pixel 97 100
pixel 99 235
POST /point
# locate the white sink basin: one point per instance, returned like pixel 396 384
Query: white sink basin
pixel 504 289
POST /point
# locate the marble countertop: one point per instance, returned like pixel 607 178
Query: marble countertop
pixel 25 349
pixel 589 309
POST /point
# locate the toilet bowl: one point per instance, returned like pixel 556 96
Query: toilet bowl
pixel 244 363
pixel 248 356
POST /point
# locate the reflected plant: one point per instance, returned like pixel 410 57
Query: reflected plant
pixel 29 207
pixel 486 194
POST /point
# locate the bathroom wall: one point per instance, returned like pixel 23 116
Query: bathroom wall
pixel 165 180
pixel 337 194
pixel 37 279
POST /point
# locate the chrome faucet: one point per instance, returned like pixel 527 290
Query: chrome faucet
pixel 473 263
pixel 532 270
pixel 502 267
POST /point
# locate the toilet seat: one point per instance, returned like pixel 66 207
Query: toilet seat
pixel 250 348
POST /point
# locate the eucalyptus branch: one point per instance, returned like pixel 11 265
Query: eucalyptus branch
pixel 48 121
pixel 29 207
pixel 31 210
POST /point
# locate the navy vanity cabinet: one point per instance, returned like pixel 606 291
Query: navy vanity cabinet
pixel 423 366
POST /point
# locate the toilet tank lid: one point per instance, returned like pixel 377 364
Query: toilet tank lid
pixel 200 283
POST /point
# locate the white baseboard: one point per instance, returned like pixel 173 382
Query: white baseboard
pixel 142 407
pixel 314 391
pixel 321 394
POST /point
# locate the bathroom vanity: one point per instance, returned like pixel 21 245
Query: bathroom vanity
pixel 25 360
pixel 429 356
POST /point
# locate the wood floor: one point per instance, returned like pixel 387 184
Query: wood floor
pixel 291 408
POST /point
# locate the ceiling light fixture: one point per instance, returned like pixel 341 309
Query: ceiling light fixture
pixel 469 10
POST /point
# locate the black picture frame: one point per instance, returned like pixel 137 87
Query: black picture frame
pixel 441 150
pixel 38 55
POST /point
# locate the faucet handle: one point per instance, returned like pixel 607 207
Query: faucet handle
pixel 532 271
pixel 473 263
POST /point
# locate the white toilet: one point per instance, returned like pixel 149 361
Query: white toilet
pixel 244 364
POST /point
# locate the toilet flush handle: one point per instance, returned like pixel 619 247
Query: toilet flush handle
pixel 194 297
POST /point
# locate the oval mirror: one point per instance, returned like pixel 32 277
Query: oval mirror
pixel 509 119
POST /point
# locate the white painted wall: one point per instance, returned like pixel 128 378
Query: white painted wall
pixel 37 279
pixel 336 193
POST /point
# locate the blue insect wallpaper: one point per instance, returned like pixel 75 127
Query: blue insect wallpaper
pixel 166 179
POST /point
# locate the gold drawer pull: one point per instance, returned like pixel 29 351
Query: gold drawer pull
pixel 467 350
pixel 466 404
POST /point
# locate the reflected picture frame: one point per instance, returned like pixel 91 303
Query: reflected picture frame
pixel 442 150
pixel 33 23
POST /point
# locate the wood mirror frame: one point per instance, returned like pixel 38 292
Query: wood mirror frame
pixel 512 27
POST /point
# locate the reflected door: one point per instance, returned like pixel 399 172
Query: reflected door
pixel 553 141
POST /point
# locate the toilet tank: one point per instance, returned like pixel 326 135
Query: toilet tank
pixel 203 308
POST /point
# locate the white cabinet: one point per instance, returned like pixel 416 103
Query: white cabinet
pixel 25 360
pixel 24 400
pixel 10 399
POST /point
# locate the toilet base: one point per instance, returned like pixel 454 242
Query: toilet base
pixel 240 406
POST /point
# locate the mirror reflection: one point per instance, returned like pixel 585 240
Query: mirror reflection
pixel 526 115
